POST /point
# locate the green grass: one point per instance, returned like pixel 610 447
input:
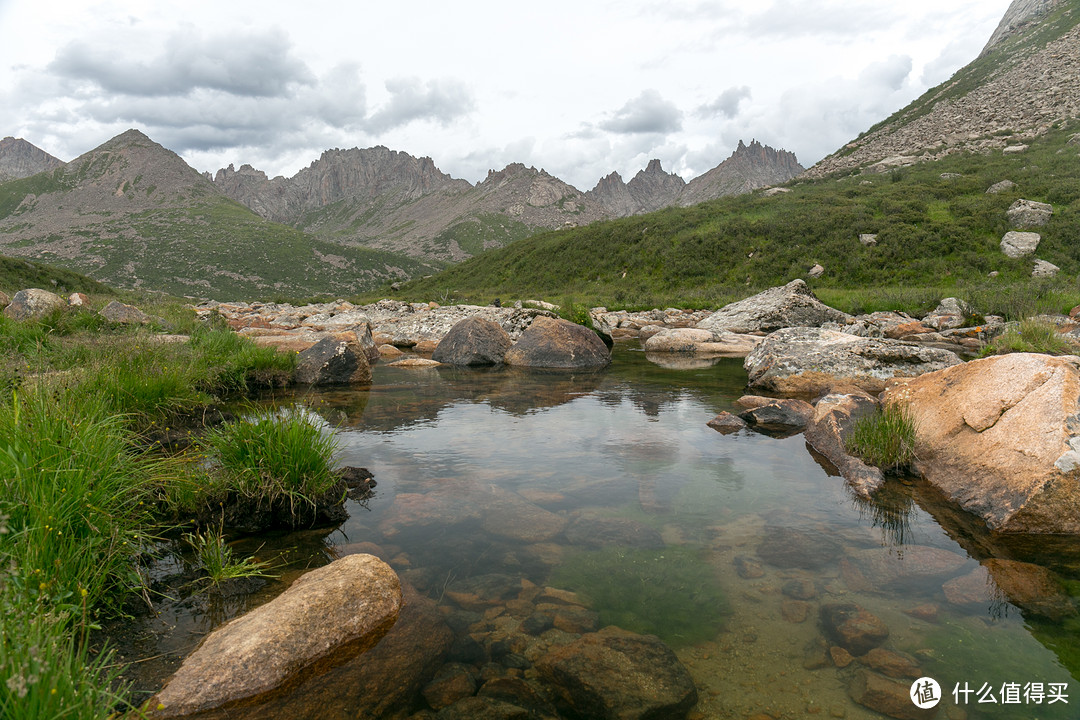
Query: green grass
pixel 1032 336
pixel 217 560
pixel 885 439
pixel 271 456
pixel 939 235
pixel 17 274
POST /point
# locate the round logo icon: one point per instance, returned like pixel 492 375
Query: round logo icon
pixel 925 693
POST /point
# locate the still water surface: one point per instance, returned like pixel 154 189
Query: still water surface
pixel 611 485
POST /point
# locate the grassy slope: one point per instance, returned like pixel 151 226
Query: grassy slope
pixel 932 232
pixel 17 274
pixel 207 246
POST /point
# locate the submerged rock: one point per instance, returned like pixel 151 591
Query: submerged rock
pixel 726 423
pixel 888 697
pixel 344 607
pixel 617 675
pixel 794 547
pixel 792 305
pixel 557 343
pixel 853 627
pixel 811 360
pixel 781 417
pixel 1000 437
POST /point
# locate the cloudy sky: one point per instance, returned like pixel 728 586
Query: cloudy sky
pixel 577 87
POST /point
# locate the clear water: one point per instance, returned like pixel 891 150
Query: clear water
pixel 505 457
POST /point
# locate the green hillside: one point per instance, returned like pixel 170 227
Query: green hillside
pixel 936 226
pixel 17 274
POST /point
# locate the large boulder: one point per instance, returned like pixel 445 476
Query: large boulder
pixel 792 305
pixel 118 312
pixel 1027 213
pixel 32 304
pixel 812 360
pixel 617 675
pixel 475 340
pixel 344 607
pixel 333 361
pixel 557 343
pixel 1001 437
pixel 1020 244
pixel 699 341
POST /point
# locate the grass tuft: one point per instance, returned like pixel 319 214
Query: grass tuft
pixel 885 439
pixel 1031 336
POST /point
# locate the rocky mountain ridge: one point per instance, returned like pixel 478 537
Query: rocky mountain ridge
pixel 376 197
pixel 20 159
pixel 1026 80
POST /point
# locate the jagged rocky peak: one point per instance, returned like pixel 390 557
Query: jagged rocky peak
pixel 1020 15
pixel 19 159
pixel 226 174
pixel 653 188
pixel 749 167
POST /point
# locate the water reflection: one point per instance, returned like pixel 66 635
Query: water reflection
pixel 501 489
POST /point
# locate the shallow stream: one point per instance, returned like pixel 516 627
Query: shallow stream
pixel 495 486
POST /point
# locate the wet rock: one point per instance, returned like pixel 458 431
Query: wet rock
pixel 803 589
pixel 1019 244
pixel 999 436
pixel 892 663
pixel 834 417
pixel 927 612
pixel 700 341
pixel 1028 213
pixel 511 516
pixel 753 401
pixel 484 591
pixel 812 360
pixel 519 692
pixel 557 343
pixel 389 352
pixel 333 362
pixel 886 568
pixel 748 568
pixel 781 417
pixel 414 362
pixel 886 696
pixel 840 657
pixel 483 708
pixel 593 531
pixel 475 340
pixel 425 346
pixel 795 611
pixel 726 423
pixel 816 654
pixel 453 682
pixel 32 304
pixel 537 623
pixel 790 548
pixel 344 607
pixel 792 305
pixel 244 513
pixel 852 627
pixel 576 620
pixel 614 674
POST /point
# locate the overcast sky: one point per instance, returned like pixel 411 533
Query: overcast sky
pixel 577 87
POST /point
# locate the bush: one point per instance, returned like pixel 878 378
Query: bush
pixel 885 439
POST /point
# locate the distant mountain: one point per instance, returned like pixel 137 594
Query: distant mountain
pixel 19 159
pixel 1025 82
pixel 133 214
pixel 380 198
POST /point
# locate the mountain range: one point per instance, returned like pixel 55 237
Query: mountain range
pixel 134 214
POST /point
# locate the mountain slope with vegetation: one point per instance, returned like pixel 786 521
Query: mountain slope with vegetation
pixel 135 215
pixel 915 181
pixel 936 226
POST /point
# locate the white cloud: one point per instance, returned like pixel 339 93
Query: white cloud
pixel 649 112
